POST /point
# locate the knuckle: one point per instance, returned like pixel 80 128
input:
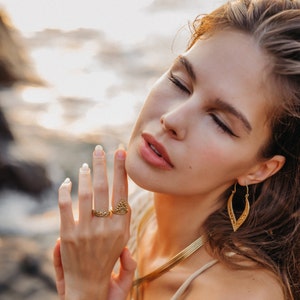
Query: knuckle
pixel 68 239
pixel 119 230
pixel 101 186
pixel 120 167
pixel 83 236
pixel 85 195
pixel 122 190
pixel 64 204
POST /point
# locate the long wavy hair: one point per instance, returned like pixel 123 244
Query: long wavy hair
pixel 270 236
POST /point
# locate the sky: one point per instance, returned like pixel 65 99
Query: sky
pixel 74 69
pixel 34 15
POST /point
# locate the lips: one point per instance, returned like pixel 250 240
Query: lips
pixel 155 153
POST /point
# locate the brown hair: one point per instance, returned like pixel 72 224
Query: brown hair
pixel 270 236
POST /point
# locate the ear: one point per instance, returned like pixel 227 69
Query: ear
pixel 262 170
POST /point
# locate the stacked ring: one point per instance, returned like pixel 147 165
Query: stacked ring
pixel 101 214
pixel 121 208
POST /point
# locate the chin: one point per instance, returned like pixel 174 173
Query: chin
pixel 135 173
pixel 139 175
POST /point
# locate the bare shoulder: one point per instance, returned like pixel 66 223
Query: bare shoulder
pixel 221 282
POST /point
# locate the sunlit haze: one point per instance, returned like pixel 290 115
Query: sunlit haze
pixel 110 72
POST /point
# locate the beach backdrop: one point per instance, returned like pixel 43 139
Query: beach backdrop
pixel 98 59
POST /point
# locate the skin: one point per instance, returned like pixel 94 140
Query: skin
pixel 78 278
pixel 212 122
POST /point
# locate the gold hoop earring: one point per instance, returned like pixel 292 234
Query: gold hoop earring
pixel 236 224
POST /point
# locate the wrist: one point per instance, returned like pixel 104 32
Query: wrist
pixel 88 292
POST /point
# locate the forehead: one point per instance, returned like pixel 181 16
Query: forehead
pixel 231 53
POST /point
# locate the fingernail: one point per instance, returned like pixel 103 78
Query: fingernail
pixel 99 151
pixel 121 146
pixel 67 180
pixel 85 168
pixel 121 154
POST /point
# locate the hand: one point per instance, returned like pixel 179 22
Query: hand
pixel 89 248
pixel 120 284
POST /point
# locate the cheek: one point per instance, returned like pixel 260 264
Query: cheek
pixel 211 146
pixel 217 155
pixel 208 158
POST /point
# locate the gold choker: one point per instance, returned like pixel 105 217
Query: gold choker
pixel 181 256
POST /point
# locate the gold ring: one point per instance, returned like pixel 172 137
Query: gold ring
pixel 101 214
pixel 121 208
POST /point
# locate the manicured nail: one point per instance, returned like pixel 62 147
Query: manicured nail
pixel 67 180
pixel 121 153
pixel 121 146
pixel 85 168
pixel 99 151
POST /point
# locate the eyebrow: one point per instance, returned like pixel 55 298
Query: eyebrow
pixel 222 104
pixel 232 110
pixel 187 65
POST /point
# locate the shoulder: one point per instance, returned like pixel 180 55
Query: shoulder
pixel 222 282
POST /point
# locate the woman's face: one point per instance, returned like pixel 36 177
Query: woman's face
pixel 205 120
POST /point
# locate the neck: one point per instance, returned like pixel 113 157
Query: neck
pixel 180 219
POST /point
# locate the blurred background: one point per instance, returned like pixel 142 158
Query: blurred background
pixel 73 74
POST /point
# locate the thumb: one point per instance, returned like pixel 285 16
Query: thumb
pixel 59 272
pixel 127 269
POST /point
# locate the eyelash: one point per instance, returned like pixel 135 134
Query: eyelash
pixel 178 83
pixel 222 126
pixel 218 122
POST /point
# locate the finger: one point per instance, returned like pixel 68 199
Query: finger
pixel 65 207
pixel 127 269
pixel 59 272
pixel 85 195
pixel 120 185
pixel 100 182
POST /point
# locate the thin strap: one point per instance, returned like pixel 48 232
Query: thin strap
pixel 189 280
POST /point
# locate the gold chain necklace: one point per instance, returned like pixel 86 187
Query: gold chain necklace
pixel 182 255
pixel 179 257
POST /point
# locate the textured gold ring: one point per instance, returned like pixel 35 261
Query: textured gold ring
pixel 121 208
pixel 100 214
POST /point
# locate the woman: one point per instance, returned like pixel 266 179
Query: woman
pixel 217 144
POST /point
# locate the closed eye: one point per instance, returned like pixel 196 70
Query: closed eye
pixel 178 83
pixel 222 126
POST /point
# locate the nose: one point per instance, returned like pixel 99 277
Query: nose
pixel 173 125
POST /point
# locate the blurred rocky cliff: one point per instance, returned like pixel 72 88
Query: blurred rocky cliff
pixel 25 263
pixel 15 68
